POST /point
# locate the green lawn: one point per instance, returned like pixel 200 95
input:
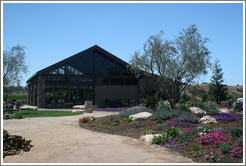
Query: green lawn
pixel 34 113
pixel 17 97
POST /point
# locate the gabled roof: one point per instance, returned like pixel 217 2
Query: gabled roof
pixel 93 48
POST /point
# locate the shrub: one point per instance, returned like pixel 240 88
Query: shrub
pixel 213 138
pixel 161 115
pixel 224 148
pixel 180 139
pixel 200 115
pixel 213 112
pixel 151 101
pixel 17 115
pixel 187 117
pixel 172 131
pixel 236 132
pixel 7 116
pixel 160 127
pixel 134 110
pixel 116 123
pixel 164 105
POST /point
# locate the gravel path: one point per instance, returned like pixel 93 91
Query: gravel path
pixel 61 140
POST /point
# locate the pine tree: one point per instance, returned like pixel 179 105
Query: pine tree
pixel 217 89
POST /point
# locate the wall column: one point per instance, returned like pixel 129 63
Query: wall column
pixel 41 92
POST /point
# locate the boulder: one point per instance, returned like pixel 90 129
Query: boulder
pixel 148 138
pixel 79 107
pixel 28 107
pixel 196 110
pixel 141 115
pixel 78 110
pixel 207 119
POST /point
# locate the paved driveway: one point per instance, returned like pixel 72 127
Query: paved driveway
pixel 61 140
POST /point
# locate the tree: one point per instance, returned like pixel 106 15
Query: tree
pixel 176 63
pixel 217 89
pixel 13 67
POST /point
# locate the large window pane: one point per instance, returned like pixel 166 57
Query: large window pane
pixel 73 95
pixel 116 81
pixel 103 81
pixel 102 63
pixel 84 62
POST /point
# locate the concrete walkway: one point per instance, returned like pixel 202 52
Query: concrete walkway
pixel 61 140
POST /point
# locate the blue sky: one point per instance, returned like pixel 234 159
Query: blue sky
pixel 53 32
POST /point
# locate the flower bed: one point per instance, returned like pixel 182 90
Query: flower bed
pixel 225 116
pixel 109 109
pixel 180 124
pixel 213 138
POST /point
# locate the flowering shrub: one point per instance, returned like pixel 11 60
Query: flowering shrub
pixel 213 138
pixel 237 152
pixel 211 157
pixel 180 139
pixel 180 124
pixel 241 115
pixel 225 116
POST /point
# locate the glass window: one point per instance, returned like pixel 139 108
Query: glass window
pixel 60 70
pixel 133 81
pixel 116 81
pixel 85 80
pixel 88 93
pixel 84 62
pixel 102 63
pixel 73 95
pixel 72 80
pixel 102 81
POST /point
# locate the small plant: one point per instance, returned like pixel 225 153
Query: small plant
pixel 237 152
pixel 240 140
pixel 200 115
pixel 136 125
pixel 116 123
pixel 203 130
pixel 126 120
pixel 225 160
pixel 159 140
pixel 212 158
pixel 224 148
pixel 236 132
pixel 195 147
pixel 158 116
pixel 87 119
pixel 111 117
pixel 147 132
pixel 225 117
pixel 17 115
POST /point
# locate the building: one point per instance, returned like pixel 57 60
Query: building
pixel 93 74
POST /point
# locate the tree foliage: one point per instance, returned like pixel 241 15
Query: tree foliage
pixel 217 89
pixel 14 66
pixel 177 63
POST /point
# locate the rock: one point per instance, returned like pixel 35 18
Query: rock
pixel 28 107
pixel 78 110
pixel 148 138
pixel 207 119
pixel 141 115
pixel 196 110
pixel 79 107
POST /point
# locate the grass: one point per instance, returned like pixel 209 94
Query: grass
pixel 29 113
pixel 17 98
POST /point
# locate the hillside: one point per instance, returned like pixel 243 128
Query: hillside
pixel 232 89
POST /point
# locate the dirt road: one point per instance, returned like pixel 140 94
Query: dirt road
pixel 61 140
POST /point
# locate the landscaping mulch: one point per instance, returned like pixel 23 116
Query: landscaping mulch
pixel 113 124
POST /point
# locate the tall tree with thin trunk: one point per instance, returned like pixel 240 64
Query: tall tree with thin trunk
pixel 176 63
pixel 217 89
pixel 14 66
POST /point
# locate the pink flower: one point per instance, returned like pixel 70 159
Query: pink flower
pixel 211 153
pixel 218 159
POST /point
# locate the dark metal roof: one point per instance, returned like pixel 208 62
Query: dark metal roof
pixel 93 48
